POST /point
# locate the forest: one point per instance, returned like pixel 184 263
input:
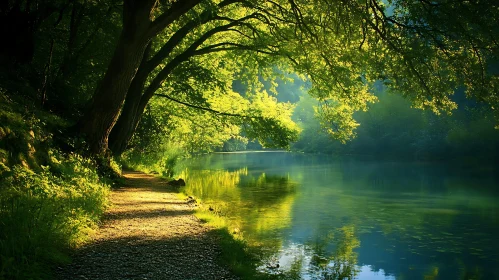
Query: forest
pixel 88 87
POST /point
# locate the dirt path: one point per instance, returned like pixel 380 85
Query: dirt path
pixel 148 233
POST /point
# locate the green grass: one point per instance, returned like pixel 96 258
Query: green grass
pixel 49 201
pixel 43 215
pixel 162 159
pixel 237 255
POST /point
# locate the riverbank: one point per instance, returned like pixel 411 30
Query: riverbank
pixel 51 197
pixel 148 233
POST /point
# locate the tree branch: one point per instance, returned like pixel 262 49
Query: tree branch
pixel 161 76
pixel 204 108
pixel 234 46
pixel 175 11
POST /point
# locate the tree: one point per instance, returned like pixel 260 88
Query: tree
pixel 416 47
pixel 204 27
pixel 139 26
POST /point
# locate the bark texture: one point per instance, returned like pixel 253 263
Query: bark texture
pixel 109 96
pixel 138 95
pixel 139 28
pixel 122 132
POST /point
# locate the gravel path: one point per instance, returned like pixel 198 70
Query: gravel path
pixel 148 233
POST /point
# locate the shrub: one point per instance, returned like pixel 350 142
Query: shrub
pixel 162 159
pixel 42 214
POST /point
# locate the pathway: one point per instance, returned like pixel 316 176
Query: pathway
pixel 148 233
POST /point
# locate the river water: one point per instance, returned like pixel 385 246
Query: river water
pixel 319 217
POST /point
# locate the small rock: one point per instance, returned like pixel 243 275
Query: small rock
pixel 177 183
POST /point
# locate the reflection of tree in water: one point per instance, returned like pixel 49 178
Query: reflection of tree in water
pixel 471 273
pixel 265 190
pixel 341 262
pixel 217 185
pixel 439 228
pixel 253 205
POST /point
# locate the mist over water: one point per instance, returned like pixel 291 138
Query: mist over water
pixel 318 217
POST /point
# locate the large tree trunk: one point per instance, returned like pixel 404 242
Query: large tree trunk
pixel 135 106
pixel 109 96
pixel 122 132
pixel 136 102
pixel 127 123
pixel 108 99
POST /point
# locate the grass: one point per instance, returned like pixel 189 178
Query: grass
pixel 236 254
pixel 161 160
pixel 50 201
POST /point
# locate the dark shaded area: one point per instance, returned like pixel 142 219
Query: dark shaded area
pixel 136 258
pixel 53 52
pixel 145 214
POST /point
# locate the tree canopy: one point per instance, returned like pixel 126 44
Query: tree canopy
pixel 186 55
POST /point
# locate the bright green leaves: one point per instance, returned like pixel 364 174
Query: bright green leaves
pixel 272 124
pixel 422 50
pixel 438 46
pixel 337 120
pixel 336 113
pixel 327 46
pixel 344 46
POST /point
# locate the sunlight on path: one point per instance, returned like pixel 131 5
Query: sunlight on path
pixel 147 209
pixel 148 233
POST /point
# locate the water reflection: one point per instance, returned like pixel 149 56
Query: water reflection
pixel 341 262
pixel 320 218
pixel 255 205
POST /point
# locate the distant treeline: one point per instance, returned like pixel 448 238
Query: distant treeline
pixel 392 129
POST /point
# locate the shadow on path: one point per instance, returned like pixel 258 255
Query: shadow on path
pixel 148 233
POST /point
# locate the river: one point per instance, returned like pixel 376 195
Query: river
pixel 320 217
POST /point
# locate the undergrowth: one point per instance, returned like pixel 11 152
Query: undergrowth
pixel 162 160
pixel 49 200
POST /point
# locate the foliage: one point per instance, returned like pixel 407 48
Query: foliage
pixel 234 144
pixel 160 159
pixel 213 111
pixel 71 43
pixel 21 135
pixel 391 128
pixel 161 139
pixel 240 257
pixel 43 214
pixel 418 49
pixel 168 129
pixel 49 201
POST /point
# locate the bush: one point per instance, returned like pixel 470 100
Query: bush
pixel 162 160
pixel 49 201
pixel 43 214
